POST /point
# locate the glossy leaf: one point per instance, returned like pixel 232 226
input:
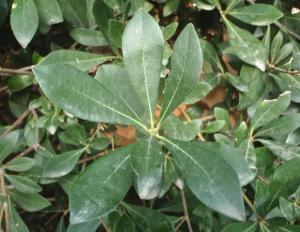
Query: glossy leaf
pixel 186 64
pixel 201 168
pixel 143 45
pixel 20 164
pixel 24 21
pixel 257 14
pixel 83 97
pixel 19 82
pixel 146 160
pixel 49 12
pixel 246 46
pixel 23 184
pixel 78 59
pixel 61 165
pixel 268 110
pixel 93 195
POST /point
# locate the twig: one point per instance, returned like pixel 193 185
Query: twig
pixel 86 159
pixel 14 71
pixel 16 123
pixel 28 150
pixel 180 224
pixel 4 194
pixel 4 88
pixel 185 211
pixel 104 225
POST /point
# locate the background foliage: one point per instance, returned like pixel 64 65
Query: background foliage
pixel 166 115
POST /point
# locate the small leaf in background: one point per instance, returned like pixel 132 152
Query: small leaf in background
pixel 201 167
pixel 115 31
pixel 61 165
pixel 29 202
pixel 170 7
pixel 19 82
pixel 276 45
pixel 88 37
pixel 93 195
pixel 257 14
pixel 20 164
pixel 8 144
pixel 296 61
pixel 49 12
pixel 268 110
pixel 16 223
pixel 186 64
pixel 146 159
pixel 232 4
pixel 143 45
pixel 177 129
pixel 213 127
pixel 23 184
pixel 24 21
pixel 78 59
pixel 170 30
pixel 246 46
pixel 75 12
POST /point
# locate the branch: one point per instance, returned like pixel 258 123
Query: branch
pixel 185 211
pixel 21 71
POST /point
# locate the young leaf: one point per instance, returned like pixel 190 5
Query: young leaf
pixel 246 46
pixel 8 144
pixel 49 12
pixel 61 165
pixel 284 52
pixel 88 37
pixel 257 14
pixel 146 160
pixel 209 177
pixel 24 21
pixel 186 64
pixel 268 110
pixel 276 45
pixel 170 30
pixel 75 12
pixel 23 184
pixel 143 46
pixel 93 195
pixel 20 164
pixel 82 96
pixel 78 59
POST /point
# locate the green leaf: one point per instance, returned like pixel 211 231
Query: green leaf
pixel 124 224
pixel 29 202
pixel 23 184
pixel 16 224
pixel 247 149
pixel 256 81
pixel 146 160
pixel 276 45
pixel 82 96
pixel 215 3
pixel 246 46
pixel 288 228
pixel 280 128
pixel 88 37
pixel 170 30
pixel 19 82
pixel 284 52
pixel 284 151
pixel 186 64
pixel 49 12
pixel 143 46
pixel 75 12
pixel 20 164
pixel 24 21
pixel 238 83
pixel 61 165
pixel 232 4
pixel 210 55
pixel 177 129
pixel 116 79
pixel 213 127
pixel 296 61
pixel 287 209
pixel 90 226
pixel 115 31
pixel 170 7
pixel 78 59
pixel 268 110
pixel 209 177
pixel 240 227
pixel 8 144
pixel 257 14
pixel 93 195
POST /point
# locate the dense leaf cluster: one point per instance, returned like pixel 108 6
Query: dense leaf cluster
pixel 132 115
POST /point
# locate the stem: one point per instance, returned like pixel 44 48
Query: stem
pixel 16 123
pixel 14 71
pixel 185 211
pixel 4 193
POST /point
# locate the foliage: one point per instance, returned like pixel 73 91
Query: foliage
pixel 213 109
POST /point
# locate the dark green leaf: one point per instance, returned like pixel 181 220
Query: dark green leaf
pixel 19 82
pixel 24 21
pixel 210 178
pixel 20 164
pixel 240 227
pixel 61 165
pixel 16 224
pixel 186 64
pixel 276 45
pixel 94 194
pixel 23 184
pixel 296 61
pixel 115 31
pixel 8 144
pixel 146 160
pixel 124 224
